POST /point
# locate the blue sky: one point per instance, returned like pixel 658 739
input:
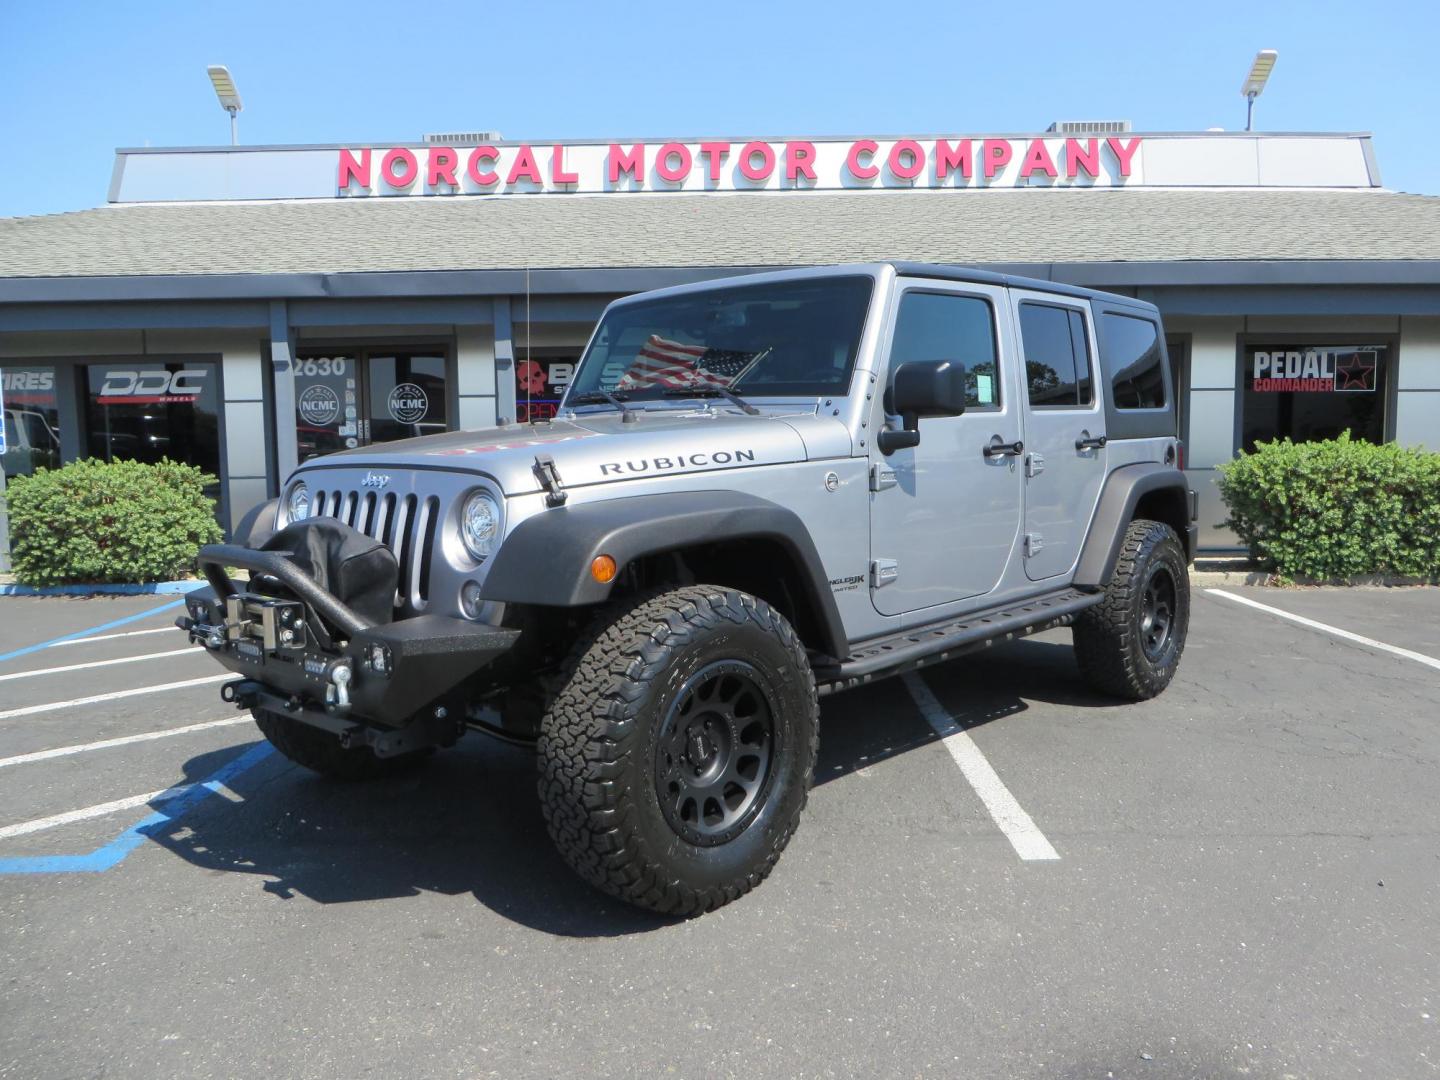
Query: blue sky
pixel 78 80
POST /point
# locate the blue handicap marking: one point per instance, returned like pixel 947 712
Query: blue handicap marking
pixel 113 853
pixel 92 630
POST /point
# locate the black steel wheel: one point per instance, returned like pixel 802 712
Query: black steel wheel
pixel 713 753
pixel 677 756
pixel 1129 645
pixel 1157 612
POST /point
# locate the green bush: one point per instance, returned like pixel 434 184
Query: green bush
pixel 94 521
pixel 1337 509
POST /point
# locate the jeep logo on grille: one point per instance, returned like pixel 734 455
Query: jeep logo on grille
pixel 375 480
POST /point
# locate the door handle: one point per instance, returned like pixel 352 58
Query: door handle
pixel 1085 442
pixel 999 448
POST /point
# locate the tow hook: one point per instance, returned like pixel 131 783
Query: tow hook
pixel 337 694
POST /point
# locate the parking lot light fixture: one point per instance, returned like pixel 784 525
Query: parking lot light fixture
pixel 1255 82
pixel 228 95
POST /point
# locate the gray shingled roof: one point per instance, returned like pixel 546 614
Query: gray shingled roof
pixel 577 231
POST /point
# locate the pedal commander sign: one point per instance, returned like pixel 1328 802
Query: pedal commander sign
pixel 711 165
pixel 1316 370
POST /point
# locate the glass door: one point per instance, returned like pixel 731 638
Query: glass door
pixel 404 395
pixel 327 395
pixel 356 397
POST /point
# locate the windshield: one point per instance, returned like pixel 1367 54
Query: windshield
pixel 795 338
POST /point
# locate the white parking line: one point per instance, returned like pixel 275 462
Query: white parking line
pixel 100 663
pixel 124 740
pixel 112 637
pixel 1024 836
pixel 87 812
pixel 1360 639
pixel 31 710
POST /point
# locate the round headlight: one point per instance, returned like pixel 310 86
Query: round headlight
pixel 297 505
pixel 479 522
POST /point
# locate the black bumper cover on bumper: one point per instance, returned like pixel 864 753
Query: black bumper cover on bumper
pixel 396 669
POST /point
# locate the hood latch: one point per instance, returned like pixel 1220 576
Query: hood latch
pixel 549 477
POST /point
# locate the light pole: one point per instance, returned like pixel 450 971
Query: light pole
pixel 228 95
pixel 1254 82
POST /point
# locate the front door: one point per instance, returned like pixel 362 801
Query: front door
pixel 1064 459
pixel 944 514
pixel 354 397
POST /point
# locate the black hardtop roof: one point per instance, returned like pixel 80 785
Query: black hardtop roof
pixel 991 277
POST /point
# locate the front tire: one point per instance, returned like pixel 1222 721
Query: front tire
pixel 321 751
pixel 677 756
pixel 1129 644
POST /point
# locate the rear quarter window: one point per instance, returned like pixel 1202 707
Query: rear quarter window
pixel 1134 358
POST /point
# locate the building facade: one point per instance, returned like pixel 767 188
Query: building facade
pixel 244 309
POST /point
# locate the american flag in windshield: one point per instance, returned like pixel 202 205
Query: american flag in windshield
pixel 674 366
pixel 791 338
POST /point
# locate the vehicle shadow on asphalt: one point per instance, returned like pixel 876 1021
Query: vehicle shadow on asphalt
pixel 874 723
pixel 468 821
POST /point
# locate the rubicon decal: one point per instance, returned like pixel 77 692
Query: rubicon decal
pixel 704 460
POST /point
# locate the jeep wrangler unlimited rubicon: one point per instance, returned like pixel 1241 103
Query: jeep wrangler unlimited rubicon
pixel 756 491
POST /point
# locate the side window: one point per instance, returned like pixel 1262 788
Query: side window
pixel 942 326
pixel 1057 356
pixel 1133 359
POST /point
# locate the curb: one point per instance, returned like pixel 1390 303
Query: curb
pixel 153 588
pixel 1231 577
pixel 1274 581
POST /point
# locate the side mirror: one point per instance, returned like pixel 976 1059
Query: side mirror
pixel 921 388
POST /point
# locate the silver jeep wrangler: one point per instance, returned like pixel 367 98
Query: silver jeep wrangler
pixel 757 491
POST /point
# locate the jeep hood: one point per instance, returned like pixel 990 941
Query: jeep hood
pixel 600 448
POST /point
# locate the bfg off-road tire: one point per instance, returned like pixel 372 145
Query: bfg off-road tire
pixel 321 751
pixel 676 758
pixel 1129 644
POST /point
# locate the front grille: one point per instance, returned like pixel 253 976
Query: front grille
pixel 406 524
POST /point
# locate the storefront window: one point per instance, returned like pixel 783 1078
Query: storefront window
pixel 1311 392
pixel 32 420
pixel 541 379
pixel 145 410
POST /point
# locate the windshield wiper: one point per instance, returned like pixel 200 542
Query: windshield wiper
pixel 596 397
pixel 713 391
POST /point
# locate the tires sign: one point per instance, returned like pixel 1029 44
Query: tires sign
pixel 3 447
pixel 408 404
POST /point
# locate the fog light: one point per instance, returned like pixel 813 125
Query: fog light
pixel 470 602
pixel 602 569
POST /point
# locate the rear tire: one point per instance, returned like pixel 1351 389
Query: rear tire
pixel 1129 644
pixel 321 751
pixel 677 756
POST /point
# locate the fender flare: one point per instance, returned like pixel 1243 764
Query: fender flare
pixel 1122 493
pixel 546 559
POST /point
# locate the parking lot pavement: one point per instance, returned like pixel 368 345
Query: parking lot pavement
pixel 1245 883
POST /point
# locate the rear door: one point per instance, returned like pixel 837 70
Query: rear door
pixel 1064 459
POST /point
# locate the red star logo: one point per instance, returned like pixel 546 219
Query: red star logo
pixel 1356 372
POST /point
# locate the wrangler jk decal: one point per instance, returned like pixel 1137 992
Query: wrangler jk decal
pixel 679 461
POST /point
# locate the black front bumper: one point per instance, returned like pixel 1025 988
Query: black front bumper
pixel 304 653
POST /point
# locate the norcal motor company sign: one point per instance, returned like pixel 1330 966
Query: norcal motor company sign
pixel 618 166
pixel 710 165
